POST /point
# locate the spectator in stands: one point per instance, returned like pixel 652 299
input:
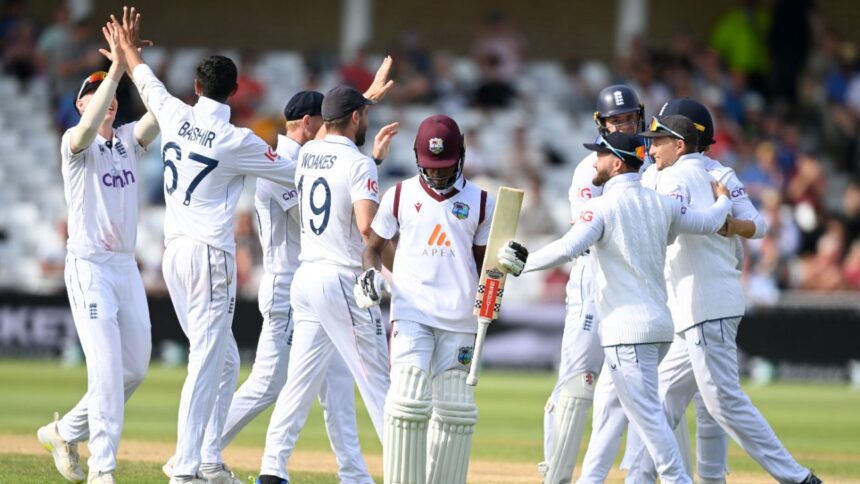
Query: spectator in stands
pixel 789 42
pixel 19 53
pixel 74 60
pixel 53 37
pixel 249 93
pixel 356 73
pixel 14 12
pixel 740 37
pixel 447 91
pixel 500 47
pixel 851 210
pixel 822 270
pixel 851 268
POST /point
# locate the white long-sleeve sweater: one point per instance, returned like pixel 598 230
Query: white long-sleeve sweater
pixel 629 228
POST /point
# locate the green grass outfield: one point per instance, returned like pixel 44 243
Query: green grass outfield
pixel 820 424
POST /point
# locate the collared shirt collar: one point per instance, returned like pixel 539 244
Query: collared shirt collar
pixel 288 147
pixel 694 157
pixel 210 106
pixel 622 179
pixel 343 140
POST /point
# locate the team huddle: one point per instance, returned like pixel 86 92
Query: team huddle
pixel 643 309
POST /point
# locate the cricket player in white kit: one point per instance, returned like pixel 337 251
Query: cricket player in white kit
pixel 205 160
pixel 338 195
pixel 704 354
pixel 277 214
pixel 443 222
pixel 628 228
pixel 104 285
pixel 745 221
pixel 566 411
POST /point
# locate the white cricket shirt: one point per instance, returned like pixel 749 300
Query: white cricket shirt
pixel 629 227
pixel 100 185
pixel 332 175
pixel 435 274
pixel 582 189
pixel 205 162
pixel 278 217
pixel 702 274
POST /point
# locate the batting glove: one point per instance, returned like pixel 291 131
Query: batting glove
pixel 368 289
pixel 512 257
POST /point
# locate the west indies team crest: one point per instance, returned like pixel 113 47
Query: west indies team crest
pixel 464 355
pixel 460 210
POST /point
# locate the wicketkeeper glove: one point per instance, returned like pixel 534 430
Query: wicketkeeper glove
pixel 368 289
pixel 512 257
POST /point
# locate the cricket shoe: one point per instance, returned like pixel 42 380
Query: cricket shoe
pixel 266 479
pixel 221 476
pixel 66 458
pixel 192 480
pixel 101 478
pixel 812 479
pixel 167 468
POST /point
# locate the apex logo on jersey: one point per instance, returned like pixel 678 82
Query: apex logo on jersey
pixel 437 244
pixel 118 180
pixel 586 216
pixel 460 210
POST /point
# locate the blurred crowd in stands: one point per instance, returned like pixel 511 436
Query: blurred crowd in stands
pixel 782 86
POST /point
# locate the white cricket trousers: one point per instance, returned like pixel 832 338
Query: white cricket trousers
pixel 327 321
pixel 112 320
pixel 269 375
pixel 633 370
pixel 712 365
pixel 202 285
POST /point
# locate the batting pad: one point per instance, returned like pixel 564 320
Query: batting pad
pixel 407 410
pixel 571 415
pixel 451 427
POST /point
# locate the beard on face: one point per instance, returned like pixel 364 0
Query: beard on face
pixel 599 179
pixel 360 134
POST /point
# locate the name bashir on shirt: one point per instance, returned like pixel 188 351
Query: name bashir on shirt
pixel 203 137
pixel 318 162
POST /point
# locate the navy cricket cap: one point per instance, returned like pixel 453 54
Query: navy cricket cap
pixel 626 146
pixel 673 126
pixel 304 103
pixel 698 114
pixel 341 101
pixel 91 83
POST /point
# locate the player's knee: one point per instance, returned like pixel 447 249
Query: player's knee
pixel 408 396
pixel 454 401
pixel 579 386
pixel 133 376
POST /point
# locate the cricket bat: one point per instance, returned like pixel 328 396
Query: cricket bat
pixel 491 280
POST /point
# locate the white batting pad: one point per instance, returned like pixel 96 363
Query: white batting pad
pixel 571 415
pixel 451 427
pixel 407 410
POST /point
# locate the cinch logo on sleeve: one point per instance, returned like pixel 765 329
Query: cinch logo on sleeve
pixel 738 192
pixel 118 180
pixel 438 245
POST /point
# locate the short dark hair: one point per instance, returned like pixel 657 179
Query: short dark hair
pixel 339 124
pixel 218 76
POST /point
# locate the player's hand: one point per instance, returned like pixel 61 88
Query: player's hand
pixel 382 141
pixel 114 53
pixel 512 257
pixel 130 30
pixel 381 83
pixel 368 289
pixel 719 189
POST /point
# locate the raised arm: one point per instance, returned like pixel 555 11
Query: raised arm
pixel 146 130
pixel 378 89
pixel 91 119
pixel 585 232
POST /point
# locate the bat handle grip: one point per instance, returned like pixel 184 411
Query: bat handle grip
pixel 483 323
